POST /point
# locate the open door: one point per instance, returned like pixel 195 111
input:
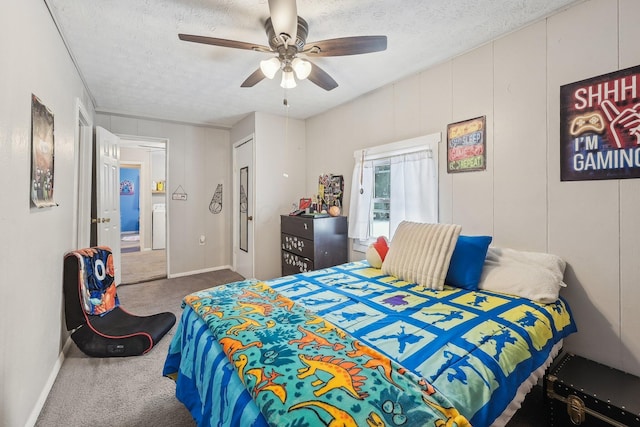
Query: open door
pixel 243 199
pixel 107 195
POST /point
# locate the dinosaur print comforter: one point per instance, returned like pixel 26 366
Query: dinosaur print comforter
pixel 349 346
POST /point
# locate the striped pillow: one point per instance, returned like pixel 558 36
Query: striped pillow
pixel 420 253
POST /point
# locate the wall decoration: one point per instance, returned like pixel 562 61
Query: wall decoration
pixel 215 205
pixel 179 194
pixel 466 145
pixel 42 154
pixel 330 191
pixel 127 188
pixel 600 127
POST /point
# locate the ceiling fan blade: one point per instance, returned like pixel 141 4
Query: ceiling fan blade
pixel 284 17
pixel 346 46
pixel 223 42
pixel 256 77
pixel 321 78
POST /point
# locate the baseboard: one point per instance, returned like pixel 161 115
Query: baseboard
pixel 33 417
pixel 206 270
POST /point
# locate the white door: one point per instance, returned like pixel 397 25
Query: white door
pixel 243 213
pixel 108 194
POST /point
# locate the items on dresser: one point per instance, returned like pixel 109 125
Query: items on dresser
pixel 312 243
pixel 580 391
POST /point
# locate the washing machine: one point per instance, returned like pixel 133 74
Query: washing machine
pixel 159 225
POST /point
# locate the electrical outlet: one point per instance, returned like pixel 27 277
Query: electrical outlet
pixel 202 239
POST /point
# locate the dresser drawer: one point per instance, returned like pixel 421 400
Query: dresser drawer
pixel 297 226
pixel 297 245
pixel 295 264
pixel 289 270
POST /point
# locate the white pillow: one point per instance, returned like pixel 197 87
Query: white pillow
pixel 534 275
pixel 420 253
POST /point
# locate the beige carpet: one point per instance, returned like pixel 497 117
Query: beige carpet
pixel 143 266
pixel 127 391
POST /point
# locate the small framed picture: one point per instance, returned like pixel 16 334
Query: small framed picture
pixel 466 145
pixel 304 204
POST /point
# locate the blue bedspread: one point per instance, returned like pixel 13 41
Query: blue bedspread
pixel 474 348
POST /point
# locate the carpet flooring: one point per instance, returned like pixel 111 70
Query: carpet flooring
pixel 131 391
pixel 143 266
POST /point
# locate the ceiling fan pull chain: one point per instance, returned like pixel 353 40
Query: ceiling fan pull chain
pixel 286 123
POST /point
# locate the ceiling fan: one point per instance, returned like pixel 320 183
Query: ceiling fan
pixel 287 35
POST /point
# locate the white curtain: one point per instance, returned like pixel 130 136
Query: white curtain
pixel 414 191
pixel 360 202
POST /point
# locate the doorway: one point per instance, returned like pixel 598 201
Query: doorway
pixel 143 166
pixel 130 207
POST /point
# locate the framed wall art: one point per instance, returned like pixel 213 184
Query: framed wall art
pixel 600 127
pixel 42 154
pixel 466 145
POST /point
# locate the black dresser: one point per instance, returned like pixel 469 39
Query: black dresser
pixel 312 243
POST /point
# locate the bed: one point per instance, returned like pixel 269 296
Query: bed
pixel 439 329
pixel 352 345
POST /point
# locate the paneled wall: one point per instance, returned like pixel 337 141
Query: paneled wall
pixel 519 200
pixel 199 158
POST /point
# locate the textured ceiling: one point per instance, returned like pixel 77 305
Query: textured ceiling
pixel 133 63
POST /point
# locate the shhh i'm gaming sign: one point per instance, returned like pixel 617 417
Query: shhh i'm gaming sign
pixel 600 127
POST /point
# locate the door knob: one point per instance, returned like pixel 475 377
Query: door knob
pixel 250 218
pixel 100 220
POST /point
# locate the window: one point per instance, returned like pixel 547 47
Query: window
pixel 392 183
pixel 380 213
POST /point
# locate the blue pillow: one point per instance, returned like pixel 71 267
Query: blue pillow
pixel 467 260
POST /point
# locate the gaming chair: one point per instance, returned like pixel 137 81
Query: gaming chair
pixel 98 325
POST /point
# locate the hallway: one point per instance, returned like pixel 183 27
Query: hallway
pixel 141 266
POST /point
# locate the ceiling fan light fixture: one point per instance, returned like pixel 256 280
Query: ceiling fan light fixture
pixel 270 67
pixel 288 81
pixel 301 67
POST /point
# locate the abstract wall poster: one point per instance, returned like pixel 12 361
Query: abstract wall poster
pixel 42 154
pixel 600 127
pixel 466 145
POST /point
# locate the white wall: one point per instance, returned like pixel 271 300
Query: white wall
pixel 199 158
pixel 515 81
pixel 33 241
